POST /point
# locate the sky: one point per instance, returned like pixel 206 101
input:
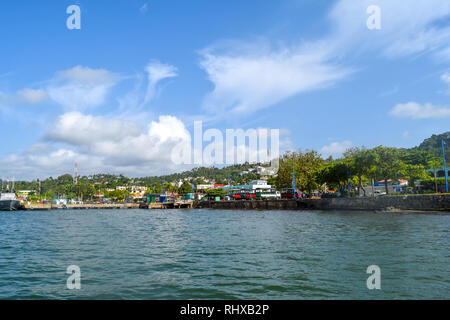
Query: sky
pixel 117 95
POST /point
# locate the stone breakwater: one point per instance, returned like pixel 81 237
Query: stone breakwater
pixel 382 203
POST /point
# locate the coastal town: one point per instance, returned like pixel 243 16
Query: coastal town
pixel 359 173
pixel 225 159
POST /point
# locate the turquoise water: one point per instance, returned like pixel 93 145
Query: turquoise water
pixel 202 254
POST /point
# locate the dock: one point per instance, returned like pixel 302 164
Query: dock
pixel 90 206
pixel 184 204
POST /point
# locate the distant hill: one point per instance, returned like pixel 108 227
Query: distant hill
pixel 198 175
pixel 434 145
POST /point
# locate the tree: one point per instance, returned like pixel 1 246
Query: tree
pixel 185 188
pixel 334 174
pixel 156 188
pixel 361 162
pixel 388 164
pixel 168 187
pixel 414 173
pixel 307 168
pixel 435 164
pixel 216 192
pixel 416 157
pixel 433 145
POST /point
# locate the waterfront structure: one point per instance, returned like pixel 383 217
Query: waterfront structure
pixel 440 172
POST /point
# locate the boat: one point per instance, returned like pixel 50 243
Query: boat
pixel 9 202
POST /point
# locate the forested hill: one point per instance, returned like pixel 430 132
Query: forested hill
pixel 197 175
pixel 433 145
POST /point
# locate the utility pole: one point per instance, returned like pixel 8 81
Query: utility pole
pixel 348 182
pixel 445 167
pixel 75 174
pixel 293 179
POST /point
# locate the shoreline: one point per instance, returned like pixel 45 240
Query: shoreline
pixel 439 204
pixel 422 203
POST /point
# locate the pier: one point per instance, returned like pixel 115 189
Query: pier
pixel 183 204
pixel 98 206
pixel 187 204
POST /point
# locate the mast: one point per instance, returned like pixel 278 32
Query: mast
pixel 293 178
pixel 75 174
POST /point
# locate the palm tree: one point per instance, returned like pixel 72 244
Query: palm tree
pixel 435 164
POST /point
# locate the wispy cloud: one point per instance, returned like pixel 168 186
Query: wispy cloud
pixel 390 92
pixel 81 87
pixel 156 72
pixel 247 79
pixel 413 28
pixel 414 110
pixel 251 76
pixel 24 96
pixel 31 96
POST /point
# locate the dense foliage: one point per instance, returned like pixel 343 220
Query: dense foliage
pixel 433 145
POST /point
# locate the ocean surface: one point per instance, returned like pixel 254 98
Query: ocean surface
pixel 203 254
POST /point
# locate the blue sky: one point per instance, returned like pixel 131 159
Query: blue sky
pixel 117 94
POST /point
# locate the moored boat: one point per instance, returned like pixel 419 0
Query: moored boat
pixel 9 202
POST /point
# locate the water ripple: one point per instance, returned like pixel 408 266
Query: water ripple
pixel 201 254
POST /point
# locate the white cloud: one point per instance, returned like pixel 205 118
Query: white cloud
pixel 156 72
pixel 406 28
pixel 249 77
pixel 31 96
pixel 414 110
pixel 42 161
pixel 24 97
pixel 98 145
pixel 256 78
pixel 78 129
pixel 335 149
pixel 80 88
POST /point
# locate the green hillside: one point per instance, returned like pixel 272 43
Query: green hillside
pixel 433 145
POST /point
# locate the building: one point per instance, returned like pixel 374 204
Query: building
pixel 401 183
pixel 260 184
pixel 205 187
pixel 254 185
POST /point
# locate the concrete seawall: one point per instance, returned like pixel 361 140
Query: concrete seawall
pixel 43 207
pixel 383 203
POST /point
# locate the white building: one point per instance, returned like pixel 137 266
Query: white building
pixel 260 184
pixel 205 186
